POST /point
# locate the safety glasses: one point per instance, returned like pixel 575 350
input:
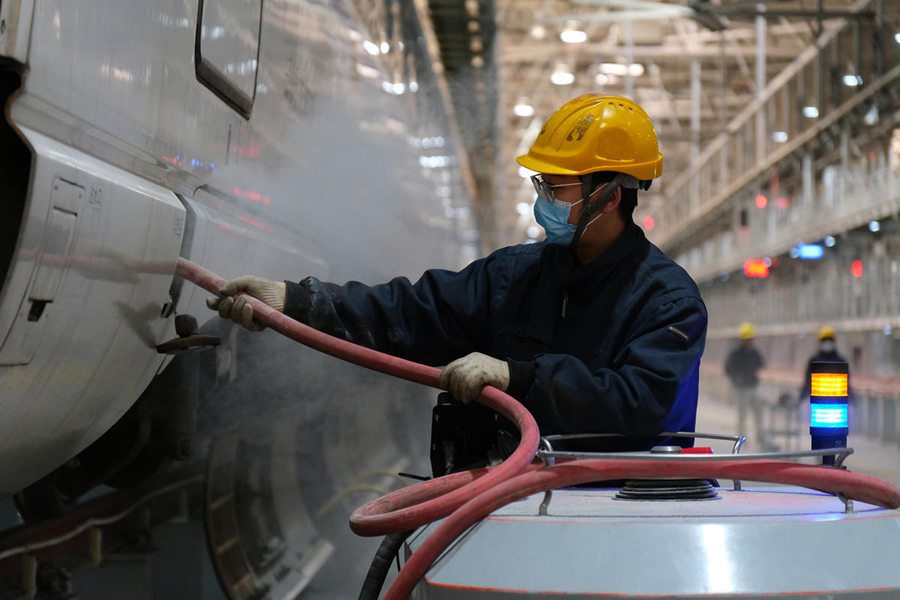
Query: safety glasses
pixel 545 189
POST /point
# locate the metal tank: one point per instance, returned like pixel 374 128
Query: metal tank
pixel 641 541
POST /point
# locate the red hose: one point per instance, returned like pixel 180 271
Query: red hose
pixel 421 503
pixel 472 495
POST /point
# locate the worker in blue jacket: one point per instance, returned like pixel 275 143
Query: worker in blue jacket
pixel 593 330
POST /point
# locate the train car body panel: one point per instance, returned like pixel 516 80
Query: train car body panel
pixel 81 307
pixel 756 543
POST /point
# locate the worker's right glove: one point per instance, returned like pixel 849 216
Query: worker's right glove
pixel 238 309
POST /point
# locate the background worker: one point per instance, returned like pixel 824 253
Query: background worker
pixel 742 368
pixel 593 330
pixel 826 352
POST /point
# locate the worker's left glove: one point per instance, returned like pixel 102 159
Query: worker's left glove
pixel 465 376
pixel 238 309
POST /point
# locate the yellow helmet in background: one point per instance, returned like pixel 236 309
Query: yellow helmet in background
pixel 747 331
pixel 594 133
pixel 826 333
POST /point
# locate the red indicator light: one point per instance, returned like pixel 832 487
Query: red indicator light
pixel 756 268
pixel 856 268
pixel 649 223
pixel 762 201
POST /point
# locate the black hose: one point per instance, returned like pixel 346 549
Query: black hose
pixel 378 570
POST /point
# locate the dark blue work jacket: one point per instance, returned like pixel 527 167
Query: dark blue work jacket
pixel 613 346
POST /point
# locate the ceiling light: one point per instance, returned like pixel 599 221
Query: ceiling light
pixel 620 69
pixel 385 47
pixel 874 226
pixel 851 80
pixel 523 208
pixel 830 241
pixel 573 34
pixel 533 231
pixel 897 37
pixel 871 116
pixel 614 69
pixel 562 75
pixel 523 108
pixel 371 48
pixel 538 32
pixel 779 137
pixel 810 112
pixel 602 79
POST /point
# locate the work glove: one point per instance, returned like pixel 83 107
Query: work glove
pixel 465 376
pixel 238 309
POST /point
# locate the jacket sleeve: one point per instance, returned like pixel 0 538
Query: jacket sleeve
pixel 441 317
pixel 635 395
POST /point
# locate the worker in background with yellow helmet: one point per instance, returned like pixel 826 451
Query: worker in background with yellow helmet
pixel 742 367
pixel 826 352
pixel 593 329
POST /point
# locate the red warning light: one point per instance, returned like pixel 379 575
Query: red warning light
pixel 649 223
pixel 756 268
pixel 856 268
pixel 761 201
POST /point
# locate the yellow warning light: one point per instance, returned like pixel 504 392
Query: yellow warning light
pixel 829 385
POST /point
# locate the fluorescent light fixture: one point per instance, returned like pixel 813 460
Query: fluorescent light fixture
pixel 897 37
pixel 874 226
pixel 367 71
pixel 810 112
pixel 523 108
pixel 562 76
pixel 573 34
pixel 621 70
pixel 385 47
pixel 779 137
pixel 852 80
pixel 371 48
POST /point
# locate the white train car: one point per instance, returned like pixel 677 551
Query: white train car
pixel 281 138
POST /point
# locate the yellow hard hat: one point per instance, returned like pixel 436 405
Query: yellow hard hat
pixel 747 331
pixel 593 133
pixel 826 333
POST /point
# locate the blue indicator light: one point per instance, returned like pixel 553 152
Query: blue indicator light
pixel 810 251
pixel 828 415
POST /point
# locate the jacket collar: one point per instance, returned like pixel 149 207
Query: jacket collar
pixel 631 245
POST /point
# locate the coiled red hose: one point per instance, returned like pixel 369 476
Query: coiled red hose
pixel 472 495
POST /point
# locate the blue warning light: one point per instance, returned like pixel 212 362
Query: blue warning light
pixel 829 415
pixel 810 251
